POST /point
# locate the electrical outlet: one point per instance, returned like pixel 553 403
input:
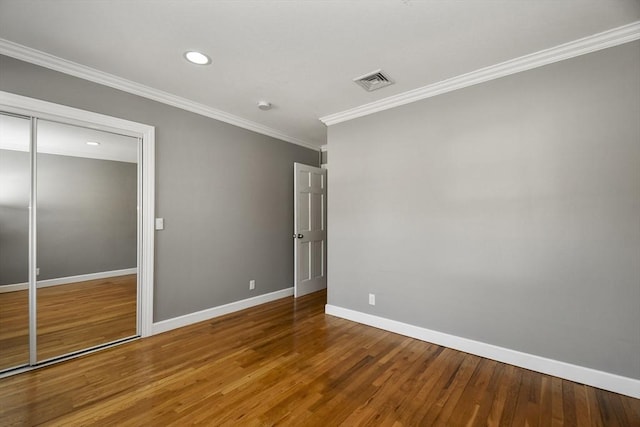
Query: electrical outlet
pixel 372 299
pixel 37 271
pixel 252 284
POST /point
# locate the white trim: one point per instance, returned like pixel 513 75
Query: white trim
pixel 14 287
pixel 19 104
pixel 610 38
pixel 221 310
pixel 147 258
pixel 70 279
pixel 324 147
pixel 592 377
pixel 34 107
pixel 52 62
pixel 33 250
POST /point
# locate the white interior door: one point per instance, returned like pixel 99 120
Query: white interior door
pixel 310 229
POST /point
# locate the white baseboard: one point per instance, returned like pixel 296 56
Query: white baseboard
pixel 580 374
pixel 70 279
pixel 221 310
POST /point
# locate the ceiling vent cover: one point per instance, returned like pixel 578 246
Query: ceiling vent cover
pixel 373 81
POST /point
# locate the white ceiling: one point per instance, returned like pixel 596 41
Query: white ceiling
pixel 299 55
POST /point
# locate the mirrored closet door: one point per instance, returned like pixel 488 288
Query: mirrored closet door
pixel 80 243
pixel 15 181
pixel 86 238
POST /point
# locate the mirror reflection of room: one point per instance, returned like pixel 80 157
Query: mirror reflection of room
pixel 86 243
pixel 14 240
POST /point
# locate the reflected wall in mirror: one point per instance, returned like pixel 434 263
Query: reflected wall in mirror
pixel 15 175
pixel 87 182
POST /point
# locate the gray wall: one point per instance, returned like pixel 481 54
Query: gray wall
pixel 226 193
pixel 507 212
pixel 86 216
pixel 14 217
pixel 87 213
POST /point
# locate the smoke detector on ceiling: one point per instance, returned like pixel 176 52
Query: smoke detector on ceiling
pixel 373 81
pixel 264 105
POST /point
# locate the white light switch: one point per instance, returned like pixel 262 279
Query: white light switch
pixel 159 223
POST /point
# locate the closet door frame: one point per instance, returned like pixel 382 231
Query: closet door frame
pixel 38 109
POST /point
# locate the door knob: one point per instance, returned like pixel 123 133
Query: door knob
pixel 300 236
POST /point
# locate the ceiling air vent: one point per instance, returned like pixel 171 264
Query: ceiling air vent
pixel 373 81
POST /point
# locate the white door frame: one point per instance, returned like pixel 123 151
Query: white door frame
pixel 25 106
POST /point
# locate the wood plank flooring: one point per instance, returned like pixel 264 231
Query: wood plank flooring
pixel 287 363
pixel 70 317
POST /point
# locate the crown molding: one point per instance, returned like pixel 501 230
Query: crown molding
pixel 599 41
pixel 55 63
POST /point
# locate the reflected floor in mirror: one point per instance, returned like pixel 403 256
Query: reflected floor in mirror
pixel 71 317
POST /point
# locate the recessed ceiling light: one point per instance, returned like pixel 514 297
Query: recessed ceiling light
pixel 197 58
pixel 93 143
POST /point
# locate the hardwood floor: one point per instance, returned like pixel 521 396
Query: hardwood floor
pixel 287 363
pixel 70 317
pixel 14 329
